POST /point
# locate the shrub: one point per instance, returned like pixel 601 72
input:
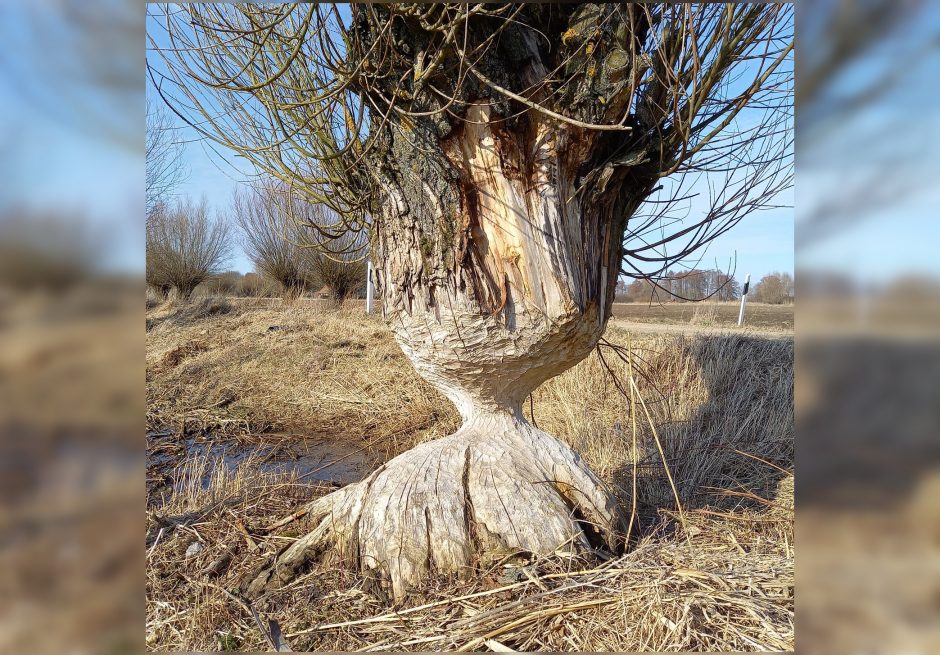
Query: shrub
pixel 253 285
pixel 272 237
pixel 224 284
pixel 185 247
pixel 341 266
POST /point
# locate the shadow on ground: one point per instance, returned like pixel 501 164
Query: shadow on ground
pixel 734 449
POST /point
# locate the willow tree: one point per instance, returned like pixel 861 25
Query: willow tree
pixel 513 161
pixel 271 239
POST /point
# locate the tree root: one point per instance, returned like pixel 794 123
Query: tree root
pixel 495 485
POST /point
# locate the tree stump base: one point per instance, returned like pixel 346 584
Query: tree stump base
pixel 497 484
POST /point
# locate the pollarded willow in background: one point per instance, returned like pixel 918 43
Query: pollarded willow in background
pixel 509 162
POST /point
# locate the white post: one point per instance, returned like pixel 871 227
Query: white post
pixel 369 286
pixel 747 283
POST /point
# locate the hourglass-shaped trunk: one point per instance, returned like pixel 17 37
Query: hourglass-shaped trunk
pixel 497 272
pixel 494 152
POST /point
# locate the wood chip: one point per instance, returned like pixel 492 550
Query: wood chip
pixel 497 647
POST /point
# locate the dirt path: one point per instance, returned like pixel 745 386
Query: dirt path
pixel 664 328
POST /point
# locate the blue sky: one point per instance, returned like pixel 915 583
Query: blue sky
pixel 874 168
pixel 59 151
pixel 69 167
pixel 95 183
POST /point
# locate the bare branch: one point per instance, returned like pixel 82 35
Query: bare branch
pixel 185 246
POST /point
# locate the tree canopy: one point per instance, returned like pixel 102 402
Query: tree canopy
pixel 691 99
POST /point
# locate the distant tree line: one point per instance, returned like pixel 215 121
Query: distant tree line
pixel 696 285
pixel 774 288
pixel 681 286
pixel 188 247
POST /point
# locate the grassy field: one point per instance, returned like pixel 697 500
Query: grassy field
pixel 759 316
pixel 255 407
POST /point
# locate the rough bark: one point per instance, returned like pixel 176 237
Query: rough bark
pixel 527 294
pixel 498 246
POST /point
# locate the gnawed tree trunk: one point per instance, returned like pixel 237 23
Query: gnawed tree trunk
pixel 499 243
pixel 497 272
pixel 495 152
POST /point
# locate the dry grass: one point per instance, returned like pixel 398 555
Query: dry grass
pixel 722 410
pixel 705 316
pixel 302 366
pixel 757 316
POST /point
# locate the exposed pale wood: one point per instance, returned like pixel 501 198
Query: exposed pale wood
pixel 518 302
pixel 497 483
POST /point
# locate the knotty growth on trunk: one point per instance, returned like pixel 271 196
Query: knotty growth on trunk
pixel 497 154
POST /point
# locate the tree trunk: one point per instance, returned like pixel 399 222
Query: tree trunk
pixel 512 287
pixel 498 242
pixel 495 153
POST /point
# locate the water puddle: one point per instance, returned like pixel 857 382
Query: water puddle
pixel 320 460
pixel 311 459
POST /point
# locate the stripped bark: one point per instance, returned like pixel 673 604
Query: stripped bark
pixel 497 484
pixel 498 245
pixel 513 302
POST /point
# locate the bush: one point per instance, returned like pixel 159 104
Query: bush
pixel 341 266
pixel 253 285
pixel 224 284
pixel 185 247
pixel 297 244
pixel 272 237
